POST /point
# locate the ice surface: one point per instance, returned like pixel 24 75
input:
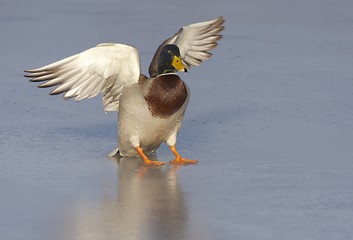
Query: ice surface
pixel 270 121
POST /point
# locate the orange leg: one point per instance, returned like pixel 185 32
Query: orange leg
pixel 146 160
pixel 178 159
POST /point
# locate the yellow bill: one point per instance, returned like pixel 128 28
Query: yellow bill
pixel 178 64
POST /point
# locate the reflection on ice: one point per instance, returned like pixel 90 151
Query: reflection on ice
pixel 149 205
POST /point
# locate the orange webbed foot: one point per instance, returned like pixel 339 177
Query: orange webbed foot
pixel 183 161
pixel 180 160
pixel 146 160
pixel 149 162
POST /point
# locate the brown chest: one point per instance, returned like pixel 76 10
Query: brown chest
pixel 166 96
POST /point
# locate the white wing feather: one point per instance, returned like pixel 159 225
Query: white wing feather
pixel 107 68
pixel 194 42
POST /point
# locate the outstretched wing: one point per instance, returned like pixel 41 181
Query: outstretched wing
pixel 194 42
pixel 107 68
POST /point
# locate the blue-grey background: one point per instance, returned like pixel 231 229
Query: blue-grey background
pixel 270 121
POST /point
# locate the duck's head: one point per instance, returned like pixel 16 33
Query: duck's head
pixel 169 60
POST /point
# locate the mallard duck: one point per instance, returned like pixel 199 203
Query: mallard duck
pixel 150 110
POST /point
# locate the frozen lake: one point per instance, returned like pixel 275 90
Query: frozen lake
pixel 270 120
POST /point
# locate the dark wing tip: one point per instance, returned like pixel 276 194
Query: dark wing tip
pixel 220 20
pixel 28 73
